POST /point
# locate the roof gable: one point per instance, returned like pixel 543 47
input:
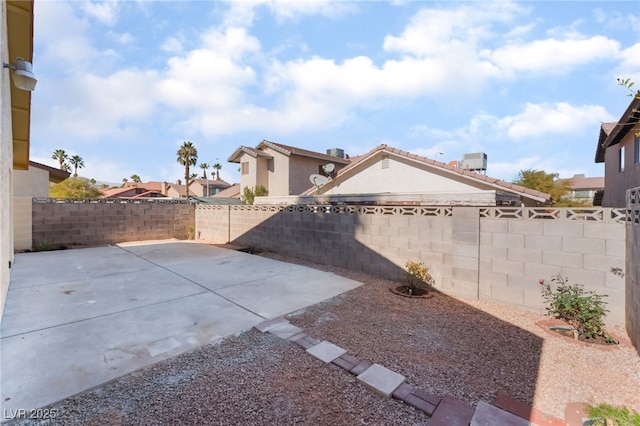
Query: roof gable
pixel 258 152
pixel 612 133
pixel 473 178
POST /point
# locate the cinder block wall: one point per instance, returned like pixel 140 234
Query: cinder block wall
pixel 632 268
pixel 93 223
pixel 476 253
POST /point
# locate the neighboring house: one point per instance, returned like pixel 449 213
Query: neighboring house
pixel 396 174
pixel 16 40
pixel 231 192
pixel 207 187
pixel 282 169
pixel 584 189
pixel 131 192
pixel 35 181
pixel 27 184
pixel 619 149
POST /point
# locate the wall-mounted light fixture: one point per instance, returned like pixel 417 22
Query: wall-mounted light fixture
pixel 23 76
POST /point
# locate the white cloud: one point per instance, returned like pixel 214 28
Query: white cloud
pixel 616 20
pixel 551 56
pixel 630 63
pixel 552 119
pixel 97 106
pixel 172 45
pixel 105 12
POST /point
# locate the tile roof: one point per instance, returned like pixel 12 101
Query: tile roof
pixel 55 175
pixel 235 157
pixel 581 182
pixel 231 192
pixel 497 183
pixel 292 150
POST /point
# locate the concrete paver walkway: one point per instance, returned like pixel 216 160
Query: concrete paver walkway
pixel 77 318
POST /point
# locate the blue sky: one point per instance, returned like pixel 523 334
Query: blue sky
pixel 124 83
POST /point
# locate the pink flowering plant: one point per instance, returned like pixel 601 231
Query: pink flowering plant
pixel 581 309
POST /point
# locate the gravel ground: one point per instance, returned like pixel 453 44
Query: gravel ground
pixel 471 350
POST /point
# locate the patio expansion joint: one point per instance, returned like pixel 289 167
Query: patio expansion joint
pixel 102 316
pixel 207 290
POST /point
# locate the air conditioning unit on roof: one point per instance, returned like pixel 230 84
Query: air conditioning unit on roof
pixel 476 161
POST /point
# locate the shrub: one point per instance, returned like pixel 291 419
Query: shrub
pixel 582 309
pixel 418 276
pixel 249 194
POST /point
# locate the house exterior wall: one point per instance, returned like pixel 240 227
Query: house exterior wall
pixel 99 223
pixel 301 168
pixel 400 176
pixel 618 182
pixel 6 165
pixel 22 221
pixel 483 253
pixel 276 172
pixel 632 268
pixel 31 183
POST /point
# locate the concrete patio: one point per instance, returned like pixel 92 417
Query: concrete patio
pixel 77 318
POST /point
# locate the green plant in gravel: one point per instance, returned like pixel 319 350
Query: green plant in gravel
pixel 418 276
pixel 582 309
pixel 44 246
pixel 619 416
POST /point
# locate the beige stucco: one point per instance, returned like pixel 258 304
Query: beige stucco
pixel 31 183
pixel 281 174
pixel 617 182
pixel 22 223
pixel 6 165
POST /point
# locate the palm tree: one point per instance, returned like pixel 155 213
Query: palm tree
pixel 204 167
pixel 187 156
pixel 61 156
pixel 78 163
pixel 135 178
pixel 217 168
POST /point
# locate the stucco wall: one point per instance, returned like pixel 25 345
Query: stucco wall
pixel 632 268
pixel 6 165
pixel 488 253
pixel 70 224
pixel 616 182
pixel 22 212
pixel 31 183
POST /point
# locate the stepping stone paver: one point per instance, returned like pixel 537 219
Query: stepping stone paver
pixel 381 380
pixel 402 391
pixel 284 330
pixel 451 412
pixel 525 411
pixel 326 351
pixel 487 414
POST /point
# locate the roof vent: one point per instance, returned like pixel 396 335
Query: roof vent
pixel 336 152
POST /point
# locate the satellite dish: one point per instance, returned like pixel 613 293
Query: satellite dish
pixel 329 168
pixel 318 180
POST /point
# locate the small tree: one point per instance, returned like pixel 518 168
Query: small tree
pixel 135 179
pixel 77 187
pixel 545 182
pixel 249 194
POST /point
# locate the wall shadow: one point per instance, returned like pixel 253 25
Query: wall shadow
pixel 442 345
